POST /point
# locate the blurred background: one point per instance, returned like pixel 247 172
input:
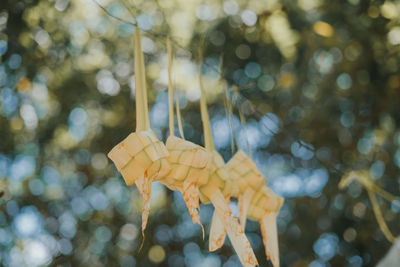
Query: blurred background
pixel 319 87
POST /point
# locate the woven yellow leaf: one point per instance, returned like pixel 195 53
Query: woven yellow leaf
pixel 139 153
pixel 188 161
pixel 256 201
pixel 141 157
pixel 244 173
pixel 264 201
pixel 218 186
pixel 245 180
pixel 270 237
pixel 217 232
pixel 216 179
pixel 190 165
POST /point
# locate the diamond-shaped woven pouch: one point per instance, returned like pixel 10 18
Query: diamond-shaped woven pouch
pixel 264 201
pixel 244 173
pixel 188 161
pixel 141 159
pixel 140 153
pixel 244 180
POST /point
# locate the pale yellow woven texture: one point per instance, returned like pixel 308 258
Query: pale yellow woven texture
pixel 244 177
pixel 244 173
pixel 189 162
pixel 217 232
pixel 264 201
pixel 256 201
pixel 141 158
pixel 139 153
pixel 264 208
pixel 217 179
pixel 195 170
pixel 190 165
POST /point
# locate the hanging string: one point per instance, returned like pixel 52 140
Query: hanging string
pixel 386 195
pixel 173 40
pixel 142 116
pixel 134 23
pixel 129 8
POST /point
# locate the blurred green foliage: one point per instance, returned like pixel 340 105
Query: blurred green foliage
pixel 319 87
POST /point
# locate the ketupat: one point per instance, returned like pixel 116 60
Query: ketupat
pixel 249 188
pixel 256 202
pixel 190 163
pixel 246 179
pixel 218 187
pixel 141 157
pixel 201 171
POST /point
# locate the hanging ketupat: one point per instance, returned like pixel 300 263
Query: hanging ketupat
pixel 210 189
pixel 201 171
pixel 256 201
pixel 141 157
pixel 190 163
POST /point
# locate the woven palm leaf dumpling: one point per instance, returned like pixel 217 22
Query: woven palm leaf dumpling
pixel 253 196
pixel 246 179
pixel 190 163
pixel 217 187
pixel 256 202
pixel 200 173
pixel 141 157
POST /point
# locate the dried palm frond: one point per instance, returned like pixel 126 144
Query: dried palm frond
pixel 364 178
pixel 141 157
